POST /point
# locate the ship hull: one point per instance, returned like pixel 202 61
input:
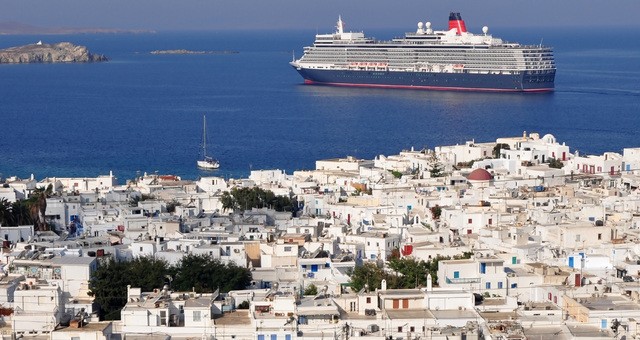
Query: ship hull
pixel 522 82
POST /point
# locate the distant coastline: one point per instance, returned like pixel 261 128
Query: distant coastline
pixel 192 52
pixel 16 28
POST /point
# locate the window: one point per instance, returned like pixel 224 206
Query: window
pixel 483 267
pixel 470 221
pixel 412 329
pixel 490 221
pixel 287 249
pixel 163 318
pixel 599 236
pixel 514 285
pixel 400 329
pixel 488 285
pixel 500 285
pixel 196 316
pixel 514 260
pixel 368 300
pixel 456 275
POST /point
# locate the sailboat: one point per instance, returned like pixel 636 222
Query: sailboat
pixel 207 162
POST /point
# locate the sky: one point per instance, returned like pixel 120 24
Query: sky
pixel 173 15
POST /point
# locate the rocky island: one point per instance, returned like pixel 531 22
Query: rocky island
pixel 63 52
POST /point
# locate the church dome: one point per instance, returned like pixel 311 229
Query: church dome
pixel 479 175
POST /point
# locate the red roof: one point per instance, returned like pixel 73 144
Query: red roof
pixel 479 175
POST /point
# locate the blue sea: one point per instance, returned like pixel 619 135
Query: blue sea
pixel 143 113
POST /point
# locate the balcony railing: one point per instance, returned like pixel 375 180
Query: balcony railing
pixel 463 280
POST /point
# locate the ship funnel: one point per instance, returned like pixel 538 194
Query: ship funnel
pixel 455 21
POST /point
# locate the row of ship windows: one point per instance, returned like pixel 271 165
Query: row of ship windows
pixel 478 49
pixel 411 56
pixel 412 63
pixel 440 50
pixel 416 60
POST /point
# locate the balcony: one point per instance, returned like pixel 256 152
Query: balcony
pixel 462 280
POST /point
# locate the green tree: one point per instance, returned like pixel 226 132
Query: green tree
pixel 206 274
pixel 108 284
pixel 6 215
pixel 368 274
pixel 436 169
pixel 311 290
pixel 555 163
pixel 396 174
pixel 255 197
pixel 498 147
pixel 436 212
pixel 410 273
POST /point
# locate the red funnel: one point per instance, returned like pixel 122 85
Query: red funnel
pixel 455 21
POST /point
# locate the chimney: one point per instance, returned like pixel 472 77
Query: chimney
pixel 429 284
pixel 383 285
pixel 456 22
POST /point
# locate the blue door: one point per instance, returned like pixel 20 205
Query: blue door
pixel 314 268
pixel 571 262
pixel 603 323
pixel 287 337
pixel 260 337
pixel 274 336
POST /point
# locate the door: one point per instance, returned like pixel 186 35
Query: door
pixel 396 303
pixel 405 303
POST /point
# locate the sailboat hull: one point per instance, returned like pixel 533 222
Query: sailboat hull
pixel 208 164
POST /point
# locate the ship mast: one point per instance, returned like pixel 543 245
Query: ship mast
pixel 204 136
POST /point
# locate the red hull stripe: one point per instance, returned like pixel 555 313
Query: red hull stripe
pixel 422 87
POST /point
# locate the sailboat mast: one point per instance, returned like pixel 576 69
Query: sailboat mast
pixel 204 135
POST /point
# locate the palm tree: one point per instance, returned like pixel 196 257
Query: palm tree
pixel 5 212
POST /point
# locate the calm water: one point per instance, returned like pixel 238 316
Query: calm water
pixel 142 112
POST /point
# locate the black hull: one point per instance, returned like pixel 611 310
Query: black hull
pixel 523 82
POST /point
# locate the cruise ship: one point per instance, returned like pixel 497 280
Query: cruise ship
pixel 452 59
